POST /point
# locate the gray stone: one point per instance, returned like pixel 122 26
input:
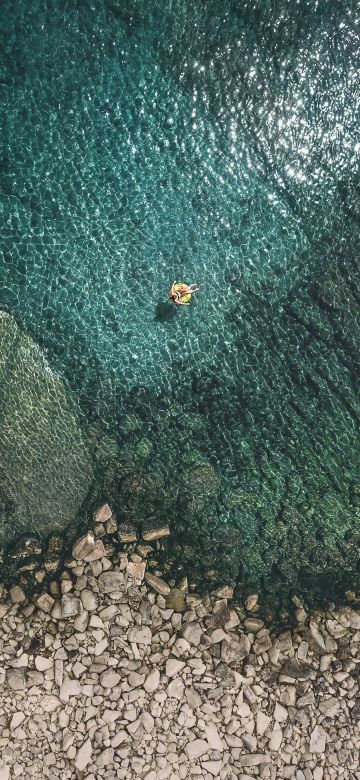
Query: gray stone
pixel 111 581
pixel 45 463
pixel 45 602
pixel 234 650
pixel 141 635
pixel 329 707
pixel 16 679
pixel 254 759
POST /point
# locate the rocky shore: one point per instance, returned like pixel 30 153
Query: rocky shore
pixel 115 673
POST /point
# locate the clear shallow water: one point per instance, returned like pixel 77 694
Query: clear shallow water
pixel 217 145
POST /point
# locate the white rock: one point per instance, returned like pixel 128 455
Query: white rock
pixel 89 600
pixel 213 737
pixel 42 663
pixel 50 703
pixel 280 713
pixel 275 739
pixel 105 758
pixel 147 721
pixel 81 622
pixel 135 679
pixel 141 635
pixel 262 723
pixel 101 646
pixel 109 678
pixel 196 748
pixel 5 772
pixel 317 740
pixel 175 689
pixel 152 681
pixel 16 719
pixel 69 688
pixel 214 767
pixel 83 756
pixel 173 666
pixel 108 716
pixel 119 738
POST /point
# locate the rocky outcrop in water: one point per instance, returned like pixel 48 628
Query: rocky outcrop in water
pixel 45 466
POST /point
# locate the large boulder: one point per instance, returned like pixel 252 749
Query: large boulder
pixel 45 464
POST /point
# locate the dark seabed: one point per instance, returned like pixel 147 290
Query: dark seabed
pixel 214 143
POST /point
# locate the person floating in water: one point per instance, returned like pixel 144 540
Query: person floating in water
pixel 181 293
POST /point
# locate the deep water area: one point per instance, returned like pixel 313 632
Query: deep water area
pixel 213 143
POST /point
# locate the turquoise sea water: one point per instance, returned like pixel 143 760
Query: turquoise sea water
pixel 214 143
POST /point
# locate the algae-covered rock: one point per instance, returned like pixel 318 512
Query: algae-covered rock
pixel 45 466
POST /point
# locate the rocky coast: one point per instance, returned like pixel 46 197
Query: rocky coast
pixel 115 670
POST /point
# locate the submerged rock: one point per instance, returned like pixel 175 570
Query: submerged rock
pixel 45 466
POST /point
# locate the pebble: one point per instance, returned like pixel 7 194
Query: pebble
pixel 213 737
pixel 70 606
pixel 317 740
pixel 152 681
pixel 128 680
pixel 45 602
pixel 17 594
pixel 83 755
pixel 196 748
pixel 89 600
pixel 173 666
pixel 111 581
pixel 16 719
pixel 42 663
pixel 140 635
pixel 109 678
pixel 83 546
pixel 102 514
pixel 157 584
pixel 96 553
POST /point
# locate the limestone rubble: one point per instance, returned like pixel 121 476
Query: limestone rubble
pixel 107 680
